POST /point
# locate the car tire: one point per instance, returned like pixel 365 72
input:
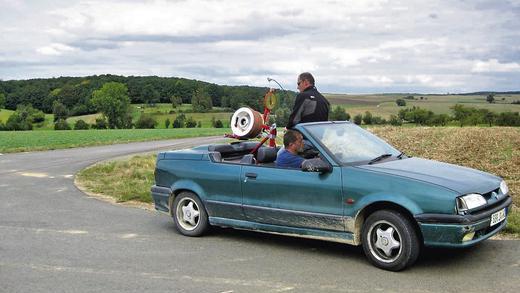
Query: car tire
pixel 389 240
pixel 189 214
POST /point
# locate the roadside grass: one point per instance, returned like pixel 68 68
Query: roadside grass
pixel 495 150
pixel 124 180
pixel 20 141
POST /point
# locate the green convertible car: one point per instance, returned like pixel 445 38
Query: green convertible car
pixel 353 188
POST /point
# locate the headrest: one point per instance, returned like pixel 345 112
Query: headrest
pixel 216 156
pixel 248 159
pixel 266 155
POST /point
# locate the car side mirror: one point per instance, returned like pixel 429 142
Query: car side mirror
pixel 316 165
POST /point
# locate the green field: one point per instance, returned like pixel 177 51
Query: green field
pixel 19 141
pixel 161 112
pixel 384 105
pixel 4 114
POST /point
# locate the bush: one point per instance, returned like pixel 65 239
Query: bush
pixel 167 123
pixel 438 120
pixel 179 122
pixel 358 118
pixel 146 122
pixel 79 110
pixel 367 118
pixel 339 114
pixel 17 122
pixel 59 110
pixel 508 119
pixel 282 116
pixel 37 117
pixel 395 121
pixel 81 125
pixel 378 120
pixel 416 115
pixel 401 102
pixel 61 125
pixel 218 124
pixel 101 123
pixel 191 123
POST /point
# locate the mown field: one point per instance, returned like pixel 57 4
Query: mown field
pixel 495 150
pixel 384 105
pixel 19 141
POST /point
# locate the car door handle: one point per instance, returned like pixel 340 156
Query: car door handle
pixel 251 175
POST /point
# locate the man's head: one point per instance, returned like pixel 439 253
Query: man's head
pixel 305 80
pixel 293 141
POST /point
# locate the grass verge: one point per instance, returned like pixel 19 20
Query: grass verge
pixel 495 150
pixel 20 141
pixel 123 180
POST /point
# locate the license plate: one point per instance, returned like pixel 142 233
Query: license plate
pixel 498 217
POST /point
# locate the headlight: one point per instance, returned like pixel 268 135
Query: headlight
pixel 470 201
pixel 503 187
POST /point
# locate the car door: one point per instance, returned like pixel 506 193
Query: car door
pixel 291 197
pixel 223 195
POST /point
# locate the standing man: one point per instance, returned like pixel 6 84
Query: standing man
pixel 310 105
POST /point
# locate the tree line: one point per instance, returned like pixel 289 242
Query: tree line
pixel 76 93
pixel 461 116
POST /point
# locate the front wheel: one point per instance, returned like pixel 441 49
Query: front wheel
pixel 189 214
pixel 390 241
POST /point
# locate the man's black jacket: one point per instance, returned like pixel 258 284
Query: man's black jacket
pixel 310 106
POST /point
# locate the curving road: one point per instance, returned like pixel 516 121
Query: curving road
pixel 53 238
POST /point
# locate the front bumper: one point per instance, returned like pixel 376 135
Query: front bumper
pixel 441 230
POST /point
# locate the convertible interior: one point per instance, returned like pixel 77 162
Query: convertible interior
pixel 240 153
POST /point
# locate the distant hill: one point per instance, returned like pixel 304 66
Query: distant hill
pixel 75 92
pixel 490 92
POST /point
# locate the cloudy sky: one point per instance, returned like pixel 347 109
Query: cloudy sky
pixel 362 46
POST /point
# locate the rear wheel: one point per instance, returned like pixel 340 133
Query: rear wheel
pixel 390 241
pixel 189 214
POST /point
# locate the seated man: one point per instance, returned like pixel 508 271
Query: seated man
pixel 288 156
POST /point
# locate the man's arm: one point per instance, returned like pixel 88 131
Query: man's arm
pixel 296 115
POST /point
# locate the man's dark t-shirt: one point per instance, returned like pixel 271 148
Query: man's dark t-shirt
pixel 287 159
pixel 310 106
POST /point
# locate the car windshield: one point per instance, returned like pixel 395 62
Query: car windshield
pixel 350 143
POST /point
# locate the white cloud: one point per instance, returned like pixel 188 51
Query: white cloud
pixel 55 49
pixel 493 65
pixel 358 45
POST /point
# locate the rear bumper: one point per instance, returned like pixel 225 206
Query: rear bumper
pixel 440 230
pixel 161 198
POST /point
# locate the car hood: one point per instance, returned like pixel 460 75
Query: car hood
pixel 457 178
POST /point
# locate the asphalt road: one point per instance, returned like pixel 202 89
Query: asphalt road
pixel 53 238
